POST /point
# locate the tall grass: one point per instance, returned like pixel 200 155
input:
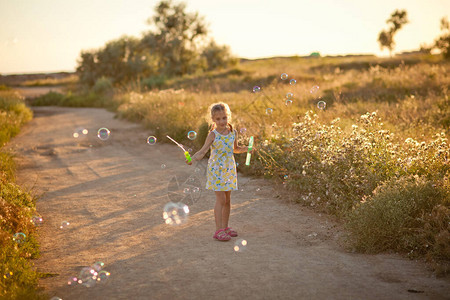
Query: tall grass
pixel 18 279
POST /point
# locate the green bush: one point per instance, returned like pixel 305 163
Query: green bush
pixel 13 114
pixel 18 279
pixel 85 99
pixel 103 86
pixel 410 214
pixel 154 82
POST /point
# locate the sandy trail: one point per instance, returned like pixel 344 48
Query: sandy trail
pixel 113 193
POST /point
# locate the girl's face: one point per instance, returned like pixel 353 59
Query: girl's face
pixel 220 118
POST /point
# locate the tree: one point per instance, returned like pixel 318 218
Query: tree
pixel 176 45
pixel 386 37
pixel 177 38
pixel 443 42
pixel 217 56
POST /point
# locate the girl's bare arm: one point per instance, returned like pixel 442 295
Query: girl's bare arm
pixel 237 148
pixel 200 153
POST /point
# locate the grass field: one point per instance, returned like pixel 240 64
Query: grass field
pixel 376 155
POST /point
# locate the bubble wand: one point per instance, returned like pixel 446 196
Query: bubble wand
pixel 188 157
pixel 249 155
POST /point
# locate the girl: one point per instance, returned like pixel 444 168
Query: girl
pixel 221 176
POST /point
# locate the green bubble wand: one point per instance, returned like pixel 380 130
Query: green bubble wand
pixel 188 157
pixel 249 154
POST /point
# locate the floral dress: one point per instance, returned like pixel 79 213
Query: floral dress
pixel 221 174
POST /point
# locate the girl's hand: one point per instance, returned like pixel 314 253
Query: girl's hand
pixel 193 157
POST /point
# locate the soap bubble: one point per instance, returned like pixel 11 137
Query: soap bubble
pixel 103 134
pixel 288 102
pixel 175 213
pixel 269 111
pixel 321 105
pixel 314 89
pixel 243 130
pixel 87 276
pixel 163 166
pixel 151 140
pixel 286 177
pixel 240 245
pixel 19 238
pixel 256 89
pixel 103 275
pixel 289 95
pixel 64 225
pixel 284 76
pixel 37 220
pixel 80 132
pixel 192 135
pixel 97 266
pixel 292 82
pixel 181 187
pixel 72 281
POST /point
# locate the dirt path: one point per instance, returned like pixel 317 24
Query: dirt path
pixel 113 193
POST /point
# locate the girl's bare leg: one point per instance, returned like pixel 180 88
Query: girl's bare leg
pixel 226 209
pixel 219 208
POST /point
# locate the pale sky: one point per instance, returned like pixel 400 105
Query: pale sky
pixel 48 35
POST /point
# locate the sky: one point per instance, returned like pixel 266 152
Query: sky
pixel 49 35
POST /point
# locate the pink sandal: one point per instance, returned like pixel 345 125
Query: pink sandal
pixel 231 232
pixel 221 235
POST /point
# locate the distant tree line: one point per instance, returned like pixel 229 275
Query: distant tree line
pixel 398 19
pixel 177 45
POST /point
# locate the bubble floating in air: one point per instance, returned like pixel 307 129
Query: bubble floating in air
pixel 321 105
pixel 314 89
pixel 292 82
pixel 64 225
pixel 192 135
pixel 256 89
pixel 284 76
pixel 288 102
pixel 87 277
pixel 98 266
pixel 103 133
pixel 289 95
pixel 103 275
pixel 240 245
pixel 269 111
pixel 175 213
pixel 80 132
pixel 19 238
pixel 151 140
pixel 37 220
pixel 72 281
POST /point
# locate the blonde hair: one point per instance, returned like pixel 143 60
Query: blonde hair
pixel 216 107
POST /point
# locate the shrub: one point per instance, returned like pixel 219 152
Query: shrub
pixel 13 114
pixel 103 86
pixel 18 279
pixel 410 214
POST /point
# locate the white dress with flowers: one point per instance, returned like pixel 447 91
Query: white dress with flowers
pixel 221 174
